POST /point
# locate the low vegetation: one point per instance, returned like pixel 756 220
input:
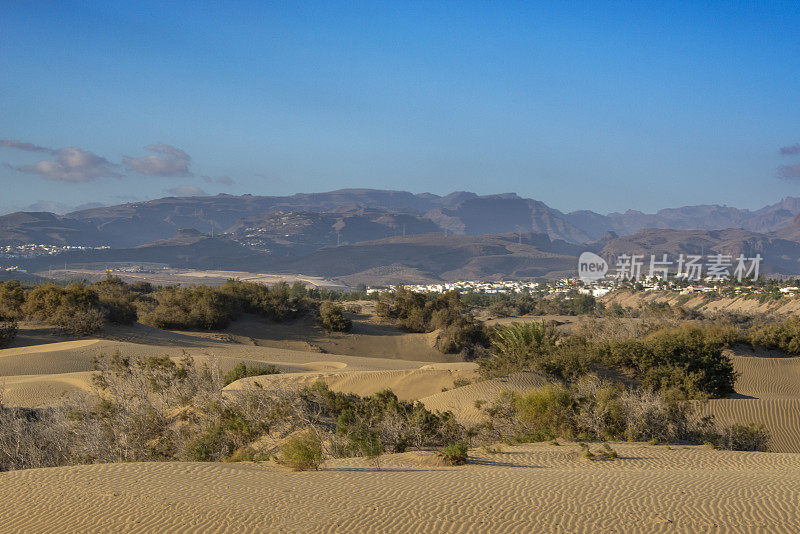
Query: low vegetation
pixel 242 370
pixel 161 409
pixel 81 309
pixel 418 312
pixel 331 317
pixel 687 359
pixel 594 410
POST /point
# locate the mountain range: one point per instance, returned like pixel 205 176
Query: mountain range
pixel 381 235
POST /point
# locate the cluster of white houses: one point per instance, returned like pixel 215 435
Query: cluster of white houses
pixel 568 285
pixel 33 250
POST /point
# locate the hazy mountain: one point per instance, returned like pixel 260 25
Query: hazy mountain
pixel 394 233
pixel 702 217
pixel 435 257
pixel 366 214
pixel 307 231
pixel 46 229
pixel 779 255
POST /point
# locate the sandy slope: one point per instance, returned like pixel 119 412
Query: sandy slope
pixel 773 385
pixel 768 378
pixel 461 401
pixel 36 391
pixel 525 489
pixel 39 375
pixel 407 384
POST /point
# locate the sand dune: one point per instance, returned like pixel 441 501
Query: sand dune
pixel 525 489
pixel 780 416
pixel 461 401
pixel 768 378
pixel 773 385
pixel 36 391
pixel 407 384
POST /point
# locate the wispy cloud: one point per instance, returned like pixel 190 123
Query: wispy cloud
pixel 168 161
pixel 186 191
pixel 21 145
pixel 790 173
pixel 790 150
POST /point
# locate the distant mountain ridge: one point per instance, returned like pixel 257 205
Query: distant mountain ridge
pixel 395 236
pixel 133 224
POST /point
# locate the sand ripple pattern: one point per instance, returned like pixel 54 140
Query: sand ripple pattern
pixel 531 488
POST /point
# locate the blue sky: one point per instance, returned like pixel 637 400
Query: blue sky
pixel 586 105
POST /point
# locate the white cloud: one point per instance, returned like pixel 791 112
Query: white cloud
pixel 169 161
pixel 71 165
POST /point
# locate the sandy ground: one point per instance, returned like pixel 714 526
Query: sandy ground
pixel 537 487
pixel 769 391
pixel 373 358
pixel 530 488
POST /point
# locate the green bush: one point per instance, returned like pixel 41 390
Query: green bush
pixel 74 309
pixel 242 370
pixel 750 437
pixel 517 347
pixel 280 302
pixel 302 451
pixel 332 319
pixel 686 358
pixel 12 298
pixel 549 409
pixel 8 331
pixel 783 335
pixel 194 308
pixel 455 454
pixel 418 312
pixel 116 300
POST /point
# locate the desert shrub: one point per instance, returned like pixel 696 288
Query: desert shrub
pixel 242 370
pixel 197 307
pixel 605 452
pixel 8 331
pixel 548 410
pixel 601 411
pixel 12 298
pixel 357 437
pixel 455 454
pixel 396 424
pixel 417 312
pixel 116 300
pixel 74 309
pixel 157 408
pixel 353 308
pixel 332 319
pixel 302 451
pixel 750 437
pixel 503 308
pixel 460 336
pixel 595 410
pixel 683 358
pixel 783 335
pixel 653 416
pixel 34 438
pixel 280 302
pixel 224 437
pixel 517 346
